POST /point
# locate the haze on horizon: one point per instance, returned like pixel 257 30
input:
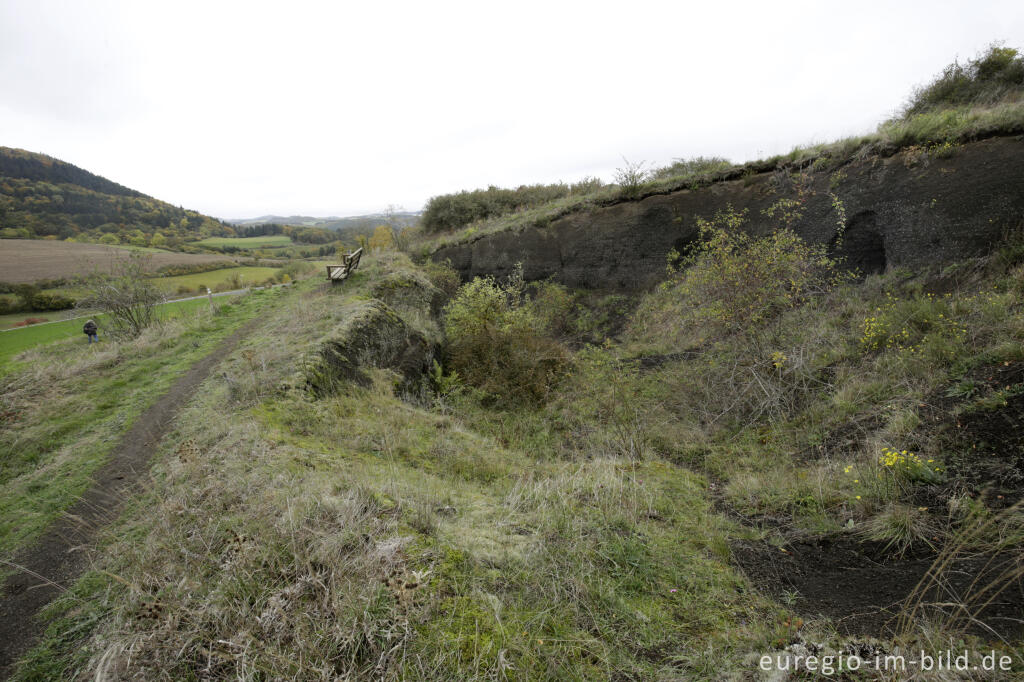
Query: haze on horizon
pixel 245 109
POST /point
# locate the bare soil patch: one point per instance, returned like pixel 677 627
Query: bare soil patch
pixel 862 586
pixel 30 260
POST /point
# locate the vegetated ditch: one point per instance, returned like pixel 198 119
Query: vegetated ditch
pixel 864 586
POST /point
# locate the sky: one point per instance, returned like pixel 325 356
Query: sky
pixel 242 109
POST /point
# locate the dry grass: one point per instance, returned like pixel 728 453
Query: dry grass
pixel 356 536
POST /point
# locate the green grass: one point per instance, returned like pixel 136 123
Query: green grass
pixel 8 321
pixel 565 569
pixel 217 280
pixel 247 276
pixel 18 340
pixel 67 402
pixel 580 539
pixel 270 241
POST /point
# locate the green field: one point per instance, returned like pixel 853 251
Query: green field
pixel 8 321
pixel 247 276
pixel 269 241
pixel 105 388
pixel 16 340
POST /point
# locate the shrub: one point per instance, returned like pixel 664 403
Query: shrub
pixel 45 301
pixel 29 321
pixel 500 343
pixel 127 296
pixel 698 165
pixel 733 281
pixel 443 276
pixel 9 305
pixel 631 177
pixel 986 79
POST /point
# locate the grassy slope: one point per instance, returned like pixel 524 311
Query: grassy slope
pixel 289 537
pixel 404 537
pixel 66 402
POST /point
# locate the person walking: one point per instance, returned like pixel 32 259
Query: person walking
pixel 90 331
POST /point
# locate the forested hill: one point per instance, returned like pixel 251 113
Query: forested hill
pixel 18 163
pixel 42 197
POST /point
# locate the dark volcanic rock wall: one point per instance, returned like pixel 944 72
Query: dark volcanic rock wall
pixel 909 210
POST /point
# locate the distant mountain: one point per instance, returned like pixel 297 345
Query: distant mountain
pixel 41 196
pixel 350 224
pixel 303 220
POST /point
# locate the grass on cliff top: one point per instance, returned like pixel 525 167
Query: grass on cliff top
pixel 981 98
pixel 942 130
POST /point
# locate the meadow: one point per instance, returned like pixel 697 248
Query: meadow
pixel 66 400
pixel 267 242
pixel 14 341
pixel 215 279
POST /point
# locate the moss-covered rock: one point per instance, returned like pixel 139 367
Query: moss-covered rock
pixel 410 289
pixel 372 335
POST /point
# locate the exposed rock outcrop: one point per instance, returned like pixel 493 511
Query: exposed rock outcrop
pixel 911 209
pixel 372 335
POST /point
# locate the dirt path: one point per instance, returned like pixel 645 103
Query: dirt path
pixel 54 562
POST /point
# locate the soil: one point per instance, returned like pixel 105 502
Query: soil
pixel 861 586
pixel 53 564
pixel 30 260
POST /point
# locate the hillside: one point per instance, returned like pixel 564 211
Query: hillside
pixel 43 197
pixel 736 473
pixel 911 208
pixel 937 133
pixel 749 424
pixel 348 226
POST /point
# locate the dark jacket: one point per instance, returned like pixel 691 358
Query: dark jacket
pixel 89 328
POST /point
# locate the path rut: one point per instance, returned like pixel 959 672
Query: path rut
pixel 59 557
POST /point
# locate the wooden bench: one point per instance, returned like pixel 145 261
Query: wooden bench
pixel 349 262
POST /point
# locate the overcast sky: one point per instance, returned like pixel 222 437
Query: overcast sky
pixel 239 109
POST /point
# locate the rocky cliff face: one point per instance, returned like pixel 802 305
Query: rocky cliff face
pixel 911 209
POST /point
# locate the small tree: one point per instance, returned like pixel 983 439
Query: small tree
pixel 631 177
pixel 126 295
pixel 382 239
